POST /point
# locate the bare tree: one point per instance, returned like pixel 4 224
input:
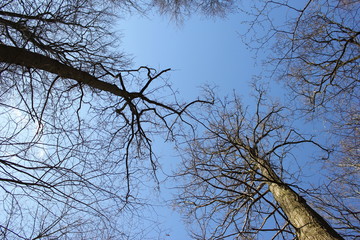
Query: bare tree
pixel 179 10
pixel 237 185
pixel 342 193
pixel 76 122
pixel 316 49
pixel 316 53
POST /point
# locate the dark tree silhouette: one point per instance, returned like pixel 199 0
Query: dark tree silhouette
pixel 76 122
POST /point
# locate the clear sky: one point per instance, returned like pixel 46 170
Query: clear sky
pixel 199 51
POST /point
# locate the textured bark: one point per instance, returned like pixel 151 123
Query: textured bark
pixel 309 224
pixel 23 57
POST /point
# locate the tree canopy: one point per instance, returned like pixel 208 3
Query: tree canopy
pixel 313 49
pixel 77 121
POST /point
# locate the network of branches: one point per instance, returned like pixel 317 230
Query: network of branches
pixel 76 122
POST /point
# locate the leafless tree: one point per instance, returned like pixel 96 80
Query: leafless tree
pixel 316 49
pixel 76 122
pixel 316 53
pixel 341 195
pixel 179 10
pixel 238 175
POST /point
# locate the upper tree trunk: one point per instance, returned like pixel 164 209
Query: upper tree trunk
pixel 308 223
pixel 26 58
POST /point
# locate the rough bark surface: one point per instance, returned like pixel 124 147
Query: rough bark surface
pixel 309 225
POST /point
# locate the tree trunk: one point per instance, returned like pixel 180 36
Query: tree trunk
pixel 309 224
pixel 26 58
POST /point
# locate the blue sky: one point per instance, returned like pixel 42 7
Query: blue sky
pixel 199 51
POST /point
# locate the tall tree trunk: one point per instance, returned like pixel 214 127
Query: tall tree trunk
pixel 309 224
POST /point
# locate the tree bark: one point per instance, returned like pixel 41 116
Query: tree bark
pixel 309 224
pixel 23 57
